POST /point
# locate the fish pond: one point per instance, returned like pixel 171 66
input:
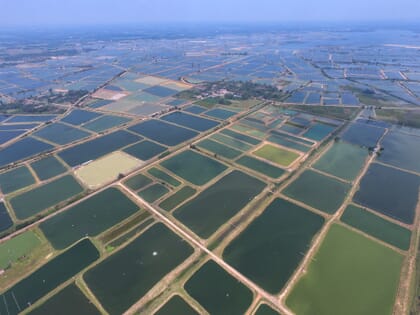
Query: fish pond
pixel 389 191
pixel 271 247
pixel 217 204
pixel 194 167
pixel 90 217
pixel 217 291
pixel 318 191
pixel 123 278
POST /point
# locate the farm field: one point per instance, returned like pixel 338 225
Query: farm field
pixel 159 249
pixel 276 155
pixel 378 227
pixel 194 167
pixel 288 143
pixel 343 160
pixel 19 246
pixel 137 182
pixel 176 305
pixel 90 217
pixel 348 264
pixel 68 301
pixel 46 278
pixel 48 167
pixel 271 247
pixel 318 191
pixel 217 291
pixel 220 113
pixel 106 169
pixel 44 197
pixel 15 179
pixel 163 176
pixel 318 131
pixel 217 204
pixel 236 144
pixel 389 191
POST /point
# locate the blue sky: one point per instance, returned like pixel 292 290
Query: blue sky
pixel 72 12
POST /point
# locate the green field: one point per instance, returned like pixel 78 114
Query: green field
pixel 48 167
pixel 172 201
pixel 68 301
pixel 378 227
pixel 343 160
pixel 349 275
pixel 21 245
pixel 217 291
pixel 176 305
pixel 319 191
pixel 88 218
pixel 163 176
pixel 123 278
pixel 271 247
pixel 219 149
pixel 194 167
pixel 153 192
pixel 15 179
pixel 217 204
pixel 276 155
pixel 44 197
pixel 260 166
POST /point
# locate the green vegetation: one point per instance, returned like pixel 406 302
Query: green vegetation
pixel 271 247
pixel 15 179
pixel 217 204
pixel 123 278
pixel 349 275
pixel 18 247
pixel 217 291
pixel 377 227
pixel 44 197
pixel 343 160
pixel 181 195
pixel 276 155
pixel 242 146
pixel 88 218
pixel 194 167
pixel 319 191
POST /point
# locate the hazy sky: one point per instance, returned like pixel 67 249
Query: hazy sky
pixel 51 12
